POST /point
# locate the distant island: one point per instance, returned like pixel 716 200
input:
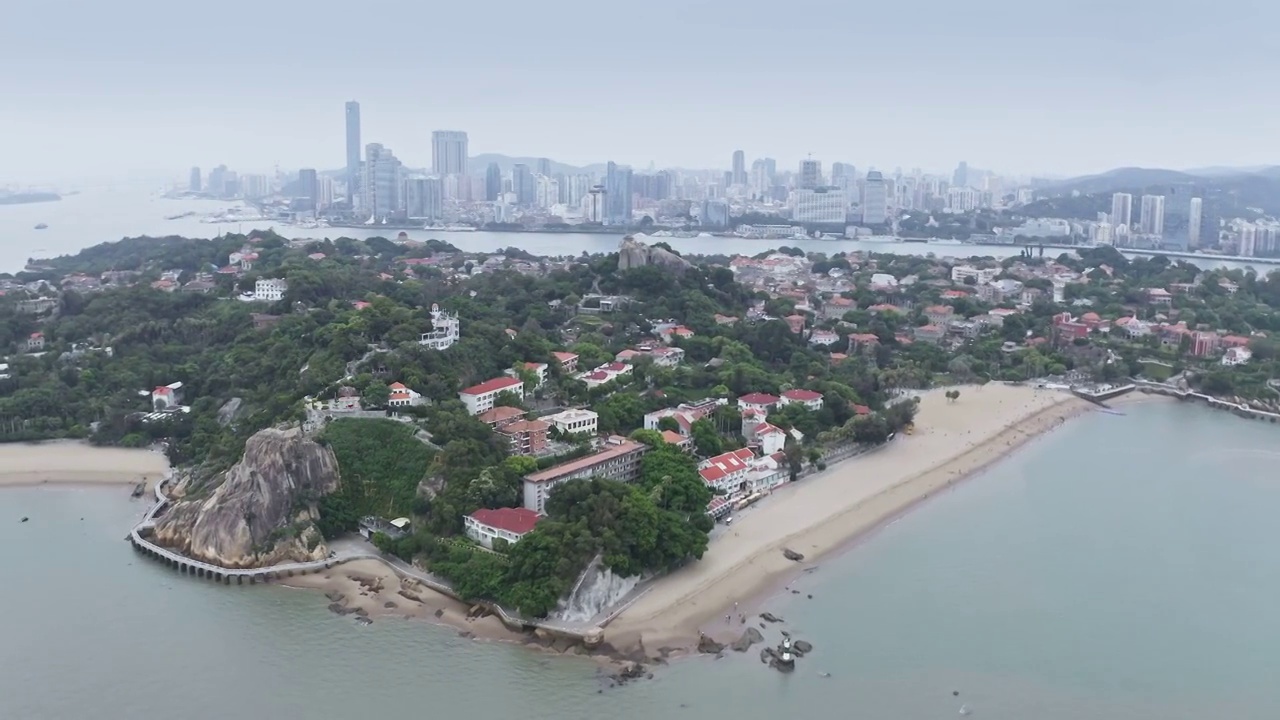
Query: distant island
pixel 28 197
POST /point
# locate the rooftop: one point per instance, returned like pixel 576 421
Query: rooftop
pixel 802 395
pixel 758 399
pixel 513 520
pixel 494 385
pixel 613 451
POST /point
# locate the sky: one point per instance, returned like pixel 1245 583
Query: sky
pixel 135 88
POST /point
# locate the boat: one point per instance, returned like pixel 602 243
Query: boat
pixel 42 226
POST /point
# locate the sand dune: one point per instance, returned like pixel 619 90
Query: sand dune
pixel 825 511
pixel 73 462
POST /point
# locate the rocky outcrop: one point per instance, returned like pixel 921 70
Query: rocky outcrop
pixel 262 512
pixel 633 254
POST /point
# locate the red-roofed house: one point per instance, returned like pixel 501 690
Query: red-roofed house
pixel 539 371
pixel 501 415
pixel 808 398
pixel 929 333
pixel 862 342
pixel 166 397
pixel 361 304
pixel 1230 341
pixel 675 438
pixel 34 343
pixel 402 396
pixel 861 410
pixel 771 438
pixel 940 314
pixel 479 398
pixel 510 524
pixel 568 361
pixel 527 437
pixel 761 402
pixel 727 472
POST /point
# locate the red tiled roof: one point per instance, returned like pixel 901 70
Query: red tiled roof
pixel 615 367
pixel 498 414
pixel 398 386
pixel 525 426
pixel 597 375
pixel 496 384
pixel 802 395
pixel 720 466
pixel 758 399
pixel 564 356
pixel 513 520
pixel 861 410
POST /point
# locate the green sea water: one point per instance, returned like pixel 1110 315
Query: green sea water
pixel 1120 567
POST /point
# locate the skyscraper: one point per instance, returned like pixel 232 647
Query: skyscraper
pixel 617 187
pixel 875 200
pixel 810 174
pixel 739 168
pixel 961 176
pixel 449 152
pixel 194 184
pixel 424 198
pixel 522 184
pixel 1121 210
pixel 353 151
pixel 1152 217
pixel 309 188
pixel 492 182
pixel 544 166
pixel 1195 223
pixel 381 183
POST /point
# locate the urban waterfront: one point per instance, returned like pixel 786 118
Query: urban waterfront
pixel 1119 567
pixel 109 213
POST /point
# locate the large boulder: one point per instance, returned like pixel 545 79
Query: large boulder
pixel 633 254
pixel 263 510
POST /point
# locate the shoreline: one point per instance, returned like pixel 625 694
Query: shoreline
pixel 680 608
pixel 77 463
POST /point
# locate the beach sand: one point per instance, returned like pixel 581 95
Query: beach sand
pixel 371 589
pixel 75 462
pixel 824 512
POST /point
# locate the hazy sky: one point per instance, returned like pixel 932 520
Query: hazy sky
pixel 131 87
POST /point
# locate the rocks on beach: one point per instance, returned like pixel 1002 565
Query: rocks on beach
pixel 792 555
pixel 750 637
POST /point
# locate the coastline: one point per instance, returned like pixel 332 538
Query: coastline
pixel 75 462
pixel 845 504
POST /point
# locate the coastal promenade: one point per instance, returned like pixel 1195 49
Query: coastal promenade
pixel 1241 409
pixel 344 552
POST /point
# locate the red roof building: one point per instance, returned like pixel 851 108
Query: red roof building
pixel 509 524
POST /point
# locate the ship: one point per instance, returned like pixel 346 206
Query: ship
pixel 42 226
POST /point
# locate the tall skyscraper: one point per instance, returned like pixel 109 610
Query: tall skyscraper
pixel 381 183
pixel 1195 223
pixel 424 198
pixel 353 151
pixel 449 152
pixel 523 185
pixel 1122 210
pixel 617 187
pixel 309 188
pixel 492 182
pixel 810 174
pixel 739 168
pixel 1152 217
pixel 544 166
pixel 194 184
pixel 961 176
pixel 875 200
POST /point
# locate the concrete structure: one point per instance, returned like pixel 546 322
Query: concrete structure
pixel 619 460
pixel 568 361
pixel 981 276
pixel 353 152
pixel 380 182
pixel 819 205
pixel 481 397
pixel 448 329
pixel 167 398
pixel 1121 210
pixel 685 414
pixel 270 289
pixel 727 472
pixel 810 176
pixel 402 396
pixel 875 200
pixel 810 399
pixel 501 415
pixel 509 524
pixel 526 437
pixel 1151 221
pixel 449 152
pixel 574 421
pixel 760 402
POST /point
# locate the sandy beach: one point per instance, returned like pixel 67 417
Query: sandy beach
pixel 74 462
pixel 826 511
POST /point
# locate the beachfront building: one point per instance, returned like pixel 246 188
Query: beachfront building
pixel 482 397
pixel 574 421
pixel 619 460
pixel 510 524
pixel 727 472
pixel 447 330
pixel 810 399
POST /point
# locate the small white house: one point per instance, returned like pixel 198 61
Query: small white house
pixel 486 525
pixel 270 289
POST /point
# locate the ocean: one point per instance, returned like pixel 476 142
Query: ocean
pixel 1120 567
pixel 108 213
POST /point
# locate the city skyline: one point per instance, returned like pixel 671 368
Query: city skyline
pixel 109 91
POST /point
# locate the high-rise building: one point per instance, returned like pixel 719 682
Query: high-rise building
pixel 617 188
pixel 714 214
pixel 424 198
pixel 217 181
pixel 309 188
pixel 325 193
pixel 353 151
pixel 961 176
pixel 381 182
pixel 875 200
pixel 1195 223
pixel 739 168
pixel 544 166
pixel 810 175
pixel 255 186
pixel 492 182
pixel 523 185
pixel 548 191
pixel 449 152
pixel 1151 221
pixel 194 184
pixel 1121 210
pixel 844 176
pixel 823 205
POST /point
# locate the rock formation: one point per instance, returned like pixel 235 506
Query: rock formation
pixel 261 514
pixel 633 254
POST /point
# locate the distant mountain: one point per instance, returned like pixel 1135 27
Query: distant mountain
pixel 1220 171
pixel 1233 194
pixel 476 164
pixel 1122 178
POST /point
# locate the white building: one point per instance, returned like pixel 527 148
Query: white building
pixel 820 205
pixel 539 371
pixel 486 525
pixel 402 396
pixel 447 330
pixel 727 472
pixel 574 421
pixel 982 276
pixel 1152 218
pixel 270 289
pixel 1237 356
pixel 619 460
pixel 685 414
pixel 166 397
pixel 760 402
pixel 810 399
pixel 479 398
